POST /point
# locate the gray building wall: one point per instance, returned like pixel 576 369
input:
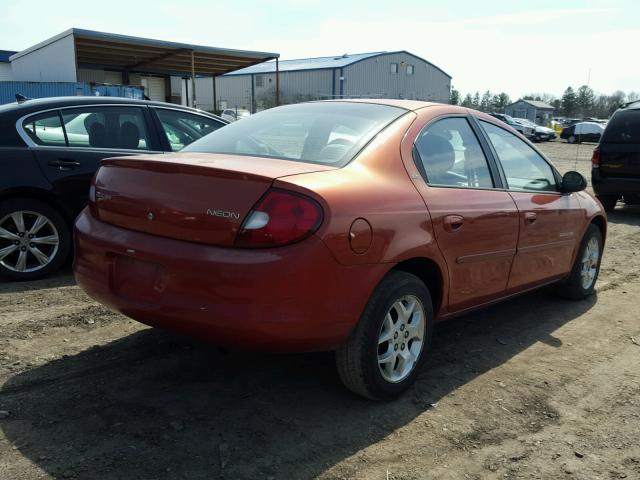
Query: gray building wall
pixel 6 74
pixel 55 62
pixel 371 77
pixel 234 92
pixel 522 109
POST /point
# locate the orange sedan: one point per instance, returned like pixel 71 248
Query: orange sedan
pixel 351 226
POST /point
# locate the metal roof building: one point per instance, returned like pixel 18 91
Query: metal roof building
pixel 78 55
pixel 534 110
pixel 399 74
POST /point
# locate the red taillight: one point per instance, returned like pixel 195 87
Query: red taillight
pixel 279 218
pixel 595 158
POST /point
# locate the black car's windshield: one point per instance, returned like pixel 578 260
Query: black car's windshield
pixel 330 133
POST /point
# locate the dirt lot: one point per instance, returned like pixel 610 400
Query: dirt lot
pixel 537 387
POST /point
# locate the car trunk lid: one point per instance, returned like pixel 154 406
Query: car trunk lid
pixel 197 197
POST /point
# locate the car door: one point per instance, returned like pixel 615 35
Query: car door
pixel 475 222
pixel 180 128
pixel 69 143
pixel 549 220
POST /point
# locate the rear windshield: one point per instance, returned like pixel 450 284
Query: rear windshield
pixel 330 133
pixel 624 127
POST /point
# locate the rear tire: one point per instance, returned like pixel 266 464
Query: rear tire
pixel 608 202
pixel 28 258
pixel 582 281
pixel 383 354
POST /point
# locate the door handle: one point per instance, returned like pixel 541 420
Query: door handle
pixel 530 217
pixel 64 164
pixel 453 223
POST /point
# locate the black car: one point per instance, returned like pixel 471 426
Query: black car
pixel 615 169
pixel 49 151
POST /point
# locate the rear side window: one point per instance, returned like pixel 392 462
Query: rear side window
pixel 448 153
pixel 624 127
pixel 182 128
pixel 106 127
pixel 45 129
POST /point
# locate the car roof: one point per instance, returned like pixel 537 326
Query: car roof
pixel 406 104
pixel 36 104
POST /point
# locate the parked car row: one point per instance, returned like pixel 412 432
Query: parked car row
pixel 351 226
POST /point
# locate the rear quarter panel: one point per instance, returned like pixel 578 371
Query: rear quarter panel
pixel 376 187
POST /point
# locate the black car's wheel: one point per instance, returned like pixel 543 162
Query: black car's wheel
pixel 582 281
pixel 608 202
pixel 384 352
pixel 34 239
pixel 572 139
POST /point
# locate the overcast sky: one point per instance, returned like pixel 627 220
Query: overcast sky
pixel 513 46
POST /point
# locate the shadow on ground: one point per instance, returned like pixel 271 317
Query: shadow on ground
pixel 153 405
pixel 625 214
pixel 62 278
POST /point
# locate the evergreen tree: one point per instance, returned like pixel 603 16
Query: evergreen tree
pixel 476 101
pixel 569 102
pixel 454 99
pixel 500 101
pixel 585 99
pixel 468 101
pixel 485 103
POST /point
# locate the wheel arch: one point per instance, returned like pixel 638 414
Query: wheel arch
pixel 430 273
pixel 600 222
pixel 42 195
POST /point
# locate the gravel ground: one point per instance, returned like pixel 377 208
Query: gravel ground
pixel 536 387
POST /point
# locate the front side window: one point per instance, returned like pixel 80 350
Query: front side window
pixel 409 69
pixel 329 133
pixel 106 127
pixel 259 81
pixel 524 168
pixel 45 129
pixel 394 68
pixel 182 128
pixel 448 153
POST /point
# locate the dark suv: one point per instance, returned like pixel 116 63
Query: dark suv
pixel 615 169
pixel 49 151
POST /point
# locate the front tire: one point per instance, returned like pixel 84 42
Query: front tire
pixel 383 354
pixel 34 239
pixel 581 282
pixel 572 139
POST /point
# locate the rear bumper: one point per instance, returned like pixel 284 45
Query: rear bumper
pixel 614 185
pixel 294 298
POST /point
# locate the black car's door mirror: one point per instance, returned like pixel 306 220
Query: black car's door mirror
pixel 573 182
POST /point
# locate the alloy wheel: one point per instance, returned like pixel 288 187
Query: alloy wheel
pixel 401 339
pixel 29 241
pixel 589 264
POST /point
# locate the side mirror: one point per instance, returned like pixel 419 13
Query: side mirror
pixel 573 182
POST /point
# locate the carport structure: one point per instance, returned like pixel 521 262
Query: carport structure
pixel 92 50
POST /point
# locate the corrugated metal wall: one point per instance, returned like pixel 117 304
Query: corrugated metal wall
pixel 234 92
pixel 8 90
pixel 373 78
pixel 368 78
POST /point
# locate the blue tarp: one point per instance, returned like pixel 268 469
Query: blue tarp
pixel 8 90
